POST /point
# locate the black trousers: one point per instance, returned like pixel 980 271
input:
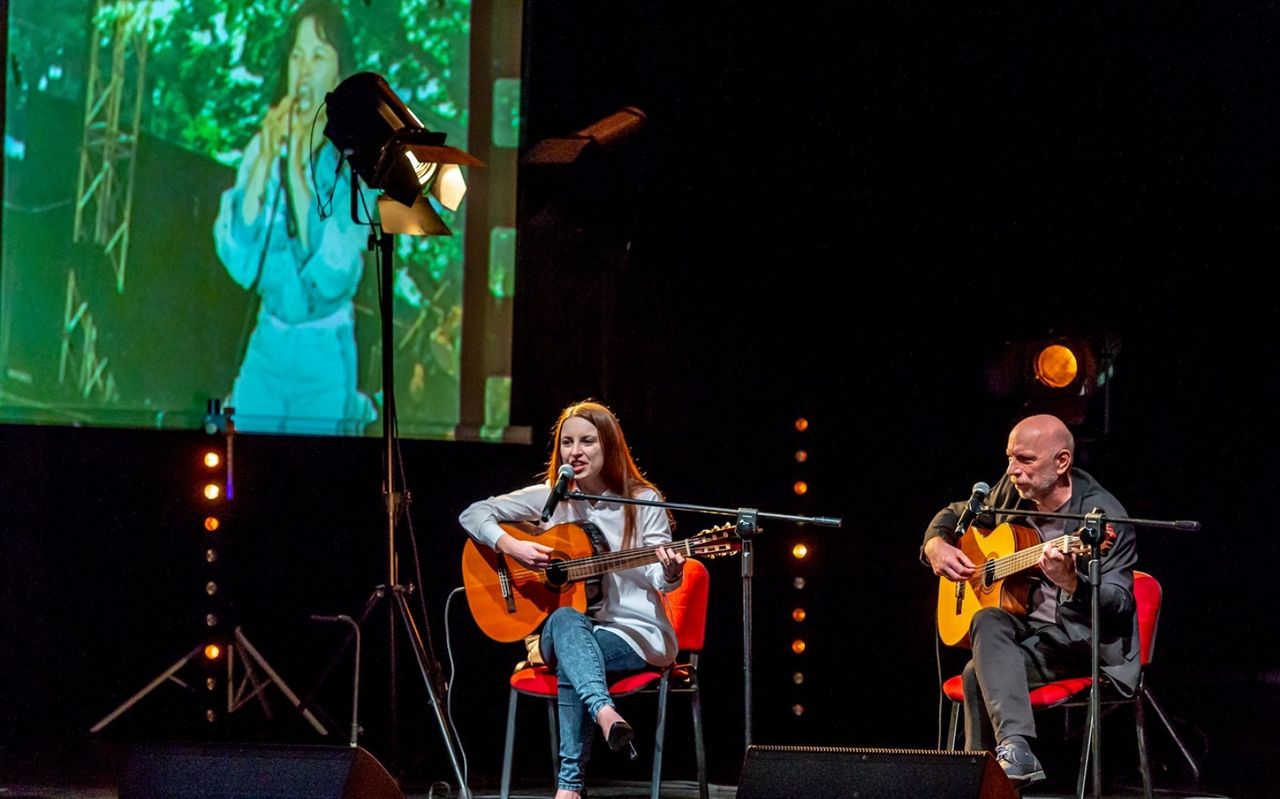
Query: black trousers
pixel 1012 655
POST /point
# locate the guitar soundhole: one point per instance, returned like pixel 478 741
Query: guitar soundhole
pixel 557 576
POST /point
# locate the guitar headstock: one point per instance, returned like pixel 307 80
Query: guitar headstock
pixel 715 542
pixel 1077 546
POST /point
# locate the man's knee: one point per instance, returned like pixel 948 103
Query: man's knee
pixel 990 621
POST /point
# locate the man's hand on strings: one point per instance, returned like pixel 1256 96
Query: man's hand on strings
pixel 1060 568
pixel 948 561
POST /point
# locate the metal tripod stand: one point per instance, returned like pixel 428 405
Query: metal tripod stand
pixel 251 685
pixel 243 683
pixel 398 606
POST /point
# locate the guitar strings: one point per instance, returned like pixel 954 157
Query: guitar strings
pixel 1016 562
pixel 606 561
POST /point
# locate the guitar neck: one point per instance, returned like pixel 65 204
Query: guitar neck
pixel 1026 558
pixel 596 565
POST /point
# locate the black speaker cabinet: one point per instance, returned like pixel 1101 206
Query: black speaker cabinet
pixel 257 771
pixel 824 772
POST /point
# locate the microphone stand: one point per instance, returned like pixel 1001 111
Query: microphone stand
pixel 1091 534
pixel 746 527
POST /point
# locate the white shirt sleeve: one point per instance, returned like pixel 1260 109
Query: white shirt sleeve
pixel 481 519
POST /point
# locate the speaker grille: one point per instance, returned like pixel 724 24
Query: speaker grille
pixel 254 771
pixel 827 772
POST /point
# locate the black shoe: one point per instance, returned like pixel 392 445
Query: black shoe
pixel 619 738
pixel 1019 762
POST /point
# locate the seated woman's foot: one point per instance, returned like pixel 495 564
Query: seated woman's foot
pixel 617 732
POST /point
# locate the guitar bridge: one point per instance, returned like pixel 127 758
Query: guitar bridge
pixel 959 596
pixel 504 584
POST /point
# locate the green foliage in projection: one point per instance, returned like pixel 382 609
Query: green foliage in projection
pixel 212 67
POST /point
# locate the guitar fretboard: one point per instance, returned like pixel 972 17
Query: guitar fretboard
pixel 596 565
pixel 579 569
pixel 1000 568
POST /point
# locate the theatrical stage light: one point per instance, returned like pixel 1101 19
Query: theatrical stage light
pixel 1056 366
pixel 798 646
pixel 798 678
pixel 394 153
pixel 798 614
pixel 604 134
pixel 211 523
pixel 799 550
pixel 800 488
pixel 1055 373
pixel 801 456
pixel 212 459
pixel 213 651
pixel 212 491
pixel 802 424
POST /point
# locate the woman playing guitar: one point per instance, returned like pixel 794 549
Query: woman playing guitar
pixel 627 630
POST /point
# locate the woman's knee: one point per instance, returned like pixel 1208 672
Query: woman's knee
pixel 563 617
pixel 558 623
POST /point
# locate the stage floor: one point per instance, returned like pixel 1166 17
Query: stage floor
pixel 92 772
pixel 618 790
pixel 31 785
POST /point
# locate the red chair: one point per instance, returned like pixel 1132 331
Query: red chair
pixel 1074 691
pixel 687 610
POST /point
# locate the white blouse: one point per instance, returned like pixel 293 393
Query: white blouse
pixel 632 607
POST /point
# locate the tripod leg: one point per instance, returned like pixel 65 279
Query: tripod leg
pixel 275 678
pixel 151 686
pixel 240 698
pixel 420 653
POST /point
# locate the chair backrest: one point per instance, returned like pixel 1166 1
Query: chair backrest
pixel 1148 595
pixel 687 606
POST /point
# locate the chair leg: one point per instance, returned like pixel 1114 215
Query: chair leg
pixel 1144 765
pixel 660 731
pixel 953 727
pixel 509 746
pixel 700 751
pixel 1082 775
pixel 1186 754
pixel 553 724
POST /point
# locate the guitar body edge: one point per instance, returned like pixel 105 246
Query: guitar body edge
pixel 958 602
pixel 532 597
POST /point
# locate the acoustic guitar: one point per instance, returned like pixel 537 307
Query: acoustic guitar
pixel 1000 555
pixel 510 601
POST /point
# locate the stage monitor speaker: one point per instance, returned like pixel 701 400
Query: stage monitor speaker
pixel 254 771
pixel 825 772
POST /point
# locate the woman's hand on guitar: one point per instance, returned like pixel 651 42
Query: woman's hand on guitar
pixel 948 561
pixel 672 563
pixel 529 553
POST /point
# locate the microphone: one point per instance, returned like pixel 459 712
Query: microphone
pixel 972 508
pixel 563 476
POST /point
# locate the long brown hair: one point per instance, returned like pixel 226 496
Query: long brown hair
pixel 619 473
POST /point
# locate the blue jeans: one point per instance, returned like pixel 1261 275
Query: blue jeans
pixel 584 659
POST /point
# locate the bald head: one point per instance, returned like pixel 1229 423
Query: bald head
pixel 1041 450
pixel 1044 432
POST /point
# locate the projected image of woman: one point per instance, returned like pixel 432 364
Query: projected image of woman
pixel 298 374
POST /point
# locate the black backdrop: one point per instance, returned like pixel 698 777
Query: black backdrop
pixel 842 211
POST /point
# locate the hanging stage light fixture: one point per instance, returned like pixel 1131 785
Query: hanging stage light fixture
pixel 394 153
